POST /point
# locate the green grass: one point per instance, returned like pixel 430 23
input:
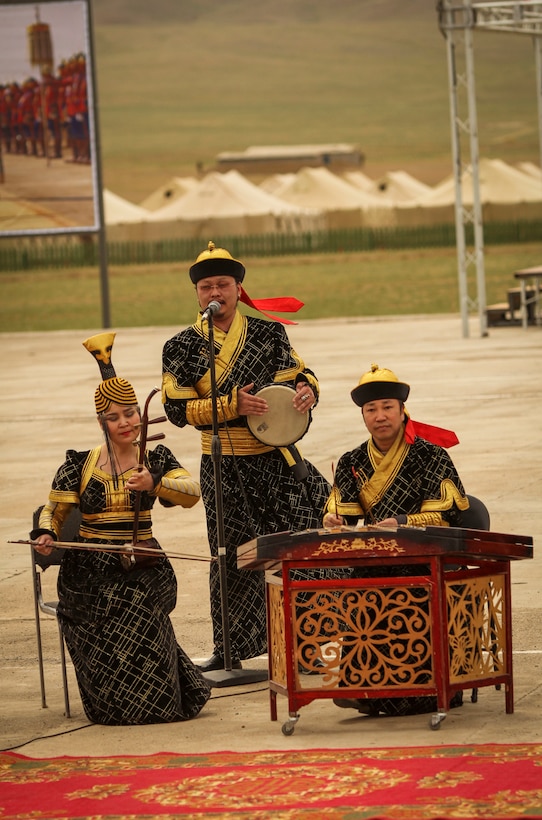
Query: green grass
pixel 376 283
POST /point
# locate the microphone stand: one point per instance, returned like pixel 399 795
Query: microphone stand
pixel 226 676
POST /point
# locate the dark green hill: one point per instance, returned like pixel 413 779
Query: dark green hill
pixel 181 80
pixel 228 12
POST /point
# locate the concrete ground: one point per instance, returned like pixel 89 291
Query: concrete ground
pixel 489 390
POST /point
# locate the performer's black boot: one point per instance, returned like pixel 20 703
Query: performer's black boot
pixel 217 662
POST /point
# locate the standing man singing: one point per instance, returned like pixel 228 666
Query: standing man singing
pixel 261 493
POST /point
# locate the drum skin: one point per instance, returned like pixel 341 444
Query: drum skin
pixel 282 424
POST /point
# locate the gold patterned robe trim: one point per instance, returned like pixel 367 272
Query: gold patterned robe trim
pixel 88 529
pixel 88 467
pixel 336 507
pixel 449 494
pixel 199 412
pixel 349 509
pixel 237 441
pixel 178 488
pixel 430 513
pixel 231 346
pixel 429 519
pixel 63 497
pixel 386 465
pixel 172 390
pixel 54 513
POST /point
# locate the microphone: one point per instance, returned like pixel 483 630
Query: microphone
pixel 211 309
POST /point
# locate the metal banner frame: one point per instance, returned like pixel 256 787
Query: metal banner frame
pixel 49 117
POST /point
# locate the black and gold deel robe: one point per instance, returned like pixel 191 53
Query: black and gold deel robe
pixel 419 484
pixel 259 491
pixel 417 481
pixel 129 667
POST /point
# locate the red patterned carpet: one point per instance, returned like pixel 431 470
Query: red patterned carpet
pixel 487 781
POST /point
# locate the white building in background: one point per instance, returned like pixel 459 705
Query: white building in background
pixel 273 159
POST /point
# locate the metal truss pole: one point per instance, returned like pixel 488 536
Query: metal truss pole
pixel 457 21
pixel 457 172
pixel 97 163
pixel 538 64
pixel 475 214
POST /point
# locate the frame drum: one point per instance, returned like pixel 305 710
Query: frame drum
pixel 282 424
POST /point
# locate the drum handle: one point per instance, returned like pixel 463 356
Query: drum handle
pixel 298 468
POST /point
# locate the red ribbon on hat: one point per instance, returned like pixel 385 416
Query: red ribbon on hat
pixel 284 304
pixel 436 435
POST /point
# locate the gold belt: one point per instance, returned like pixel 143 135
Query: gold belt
pixel 237 441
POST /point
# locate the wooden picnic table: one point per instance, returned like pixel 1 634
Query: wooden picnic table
pixel 530 295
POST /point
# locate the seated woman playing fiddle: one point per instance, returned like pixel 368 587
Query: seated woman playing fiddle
pixel 114 605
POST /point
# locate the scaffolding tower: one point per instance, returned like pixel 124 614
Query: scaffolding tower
pixel 457 20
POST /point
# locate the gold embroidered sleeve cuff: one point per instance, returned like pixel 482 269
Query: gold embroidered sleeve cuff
pixel 426 519
pixel 335 506
pixel 178 488
pixel 199 412
pixel 53 515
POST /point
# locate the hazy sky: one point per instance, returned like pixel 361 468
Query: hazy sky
pixel 68 26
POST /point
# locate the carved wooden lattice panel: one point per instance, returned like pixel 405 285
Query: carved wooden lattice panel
pixel 477 638
pixel 366 637
pixel 277 648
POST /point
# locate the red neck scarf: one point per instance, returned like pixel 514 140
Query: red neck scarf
pixel 436 435
pixel 284 304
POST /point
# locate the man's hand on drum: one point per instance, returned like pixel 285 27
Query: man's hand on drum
pixel 304 397
pixel 248 404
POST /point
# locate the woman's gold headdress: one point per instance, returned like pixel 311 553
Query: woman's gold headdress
pixel 112 389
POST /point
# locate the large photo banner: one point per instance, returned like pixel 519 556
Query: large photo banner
pixel 47 131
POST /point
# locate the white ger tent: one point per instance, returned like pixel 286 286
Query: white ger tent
pixel 344 205
pixel 119 211
pixel 530 169
pixel 275 182
pixel 358 179
pixel 229 204
pixel 169 192
pixel 506 194
pixel 398 186
pixel 500 184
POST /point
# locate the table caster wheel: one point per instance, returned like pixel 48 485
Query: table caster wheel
pixel 436 720
pixel 289 726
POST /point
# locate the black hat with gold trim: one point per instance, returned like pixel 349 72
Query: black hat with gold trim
pixel 112 389
pixel 379 383
pixel 216 262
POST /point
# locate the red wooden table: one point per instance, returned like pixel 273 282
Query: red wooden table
pixel 445 628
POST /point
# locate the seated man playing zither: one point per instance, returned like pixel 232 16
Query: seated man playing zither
pixel 400 476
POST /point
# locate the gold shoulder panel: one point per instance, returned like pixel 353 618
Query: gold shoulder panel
pixel 172 390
